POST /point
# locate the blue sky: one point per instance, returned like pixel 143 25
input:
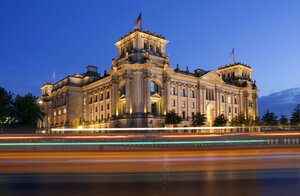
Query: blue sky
pixel 39 37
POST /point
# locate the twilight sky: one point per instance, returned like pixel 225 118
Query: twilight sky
pixel 42 36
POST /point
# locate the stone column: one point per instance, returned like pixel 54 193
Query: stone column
pixel 147 104
pixel 166 96
pixel 114 98
pixel 179 99
pixel 127 95
pixel 188 102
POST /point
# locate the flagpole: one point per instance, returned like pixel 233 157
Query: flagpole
pixel 141 21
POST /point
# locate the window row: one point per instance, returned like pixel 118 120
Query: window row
pixel 183 92
pixel 173 104
pixel 101 97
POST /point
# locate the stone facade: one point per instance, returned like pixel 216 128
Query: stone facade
pixel 140 88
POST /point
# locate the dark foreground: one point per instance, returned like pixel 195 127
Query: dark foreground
pixel 218 172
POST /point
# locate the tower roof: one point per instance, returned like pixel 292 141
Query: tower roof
pixel 234 64
pixel 143 31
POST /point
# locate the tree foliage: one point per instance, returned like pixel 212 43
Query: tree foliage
pixel 6 107
pixel 199 119
pixel 173 118
pixel 295 119
pixel 269 118
pixel 238 120
pixel 283 120
pixel 27 110
pixel 220 120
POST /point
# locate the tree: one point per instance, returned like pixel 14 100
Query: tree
pixel 238 120
pixel 27 111
pixel 199 119
pixel 269 119
pixel 6 107
pixel 173 118
pixel 283 120
pixel 220 120
pixel 295 119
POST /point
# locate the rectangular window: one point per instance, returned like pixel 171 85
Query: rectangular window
pixel 108 106
pixel 173 91
pixel 193 115
pixel 107 116
pixel 235 100
pixel 107 95
pixel 193 105
pixel 192 94
pixel 183 114
pixel 183 104
pixel 101 96
pixel 96 98
pixel 183 92
pixel 101 107
pixel 173 103
pixel 235 110
pixel 229 109
pixel 96 109
pixel 223 100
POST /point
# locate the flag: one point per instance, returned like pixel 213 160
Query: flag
pixel 232 53
pixel 139 20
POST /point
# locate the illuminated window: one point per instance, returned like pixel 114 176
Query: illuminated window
pixel 229 99
pixel 183 104
pixel 173 103
pixel 222 109
pixel 193 105
pixel 172 90
pixel 154 88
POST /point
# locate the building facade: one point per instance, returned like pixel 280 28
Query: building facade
pixel 140 88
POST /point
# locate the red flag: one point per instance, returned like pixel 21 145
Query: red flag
pixel 139 20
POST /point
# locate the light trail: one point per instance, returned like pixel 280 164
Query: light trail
pixel 179 136
pixel 142 129
pixel 130 143
pixel 157 159
pixel 66 137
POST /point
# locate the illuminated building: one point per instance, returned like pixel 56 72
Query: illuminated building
pixel 140 88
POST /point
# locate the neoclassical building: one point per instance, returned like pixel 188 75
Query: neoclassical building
pixel 141 87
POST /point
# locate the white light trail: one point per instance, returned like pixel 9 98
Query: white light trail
pixel 142 129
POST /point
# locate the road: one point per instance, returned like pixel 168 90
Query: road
pixel 215 172
pixel 150 161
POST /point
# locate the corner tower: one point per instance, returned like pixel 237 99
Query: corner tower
pixel 139 45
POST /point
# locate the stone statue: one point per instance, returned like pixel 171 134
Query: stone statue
pixel 127 55
pixel 166 61
pixel 114 62
pixel 187 69
pixel 147 56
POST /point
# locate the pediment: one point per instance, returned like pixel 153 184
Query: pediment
pixel 212 76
